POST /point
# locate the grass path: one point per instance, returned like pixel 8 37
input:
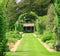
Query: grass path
pixel 30 46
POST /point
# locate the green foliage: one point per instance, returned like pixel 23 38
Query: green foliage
pixel 58 19
pixel 50 18
pixel 40 24
pixel 12 37
pixel 31 43
pixel 19 26
pixel 51 44
pixel 37 27
pixel 13 34
pixel 52 1
pixel 41 27
pixel 57 10
pixel 40 7
pixel 21 20
pixel 2 28
pixel 50 41
pixel 47 36
pixel 29 15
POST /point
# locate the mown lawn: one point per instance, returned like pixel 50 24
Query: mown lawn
pixel 30 46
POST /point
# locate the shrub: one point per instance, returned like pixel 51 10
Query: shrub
pixel 50 41
pixel 47 36
pixel 13 36
pixel 18 36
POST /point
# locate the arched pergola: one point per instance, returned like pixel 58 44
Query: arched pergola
pixel 27 22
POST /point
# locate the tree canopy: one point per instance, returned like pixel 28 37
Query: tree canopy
pixel 14 9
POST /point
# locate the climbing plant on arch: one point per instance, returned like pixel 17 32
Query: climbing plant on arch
pixel 26 16
pixel 30 15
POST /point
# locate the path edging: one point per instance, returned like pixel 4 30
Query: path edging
pixel 46 46
pixel 16 45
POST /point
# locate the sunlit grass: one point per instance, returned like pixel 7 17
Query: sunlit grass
pixel 30 46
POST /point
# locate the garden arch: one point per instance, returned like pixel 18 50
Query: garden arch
pixel 26 22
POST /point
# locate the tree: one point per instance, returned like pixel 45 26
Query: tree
pixel 2 28
pixel 40 7
pixel 50 18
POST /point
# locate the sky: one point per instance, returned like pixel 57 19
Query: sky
pixel 17 1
